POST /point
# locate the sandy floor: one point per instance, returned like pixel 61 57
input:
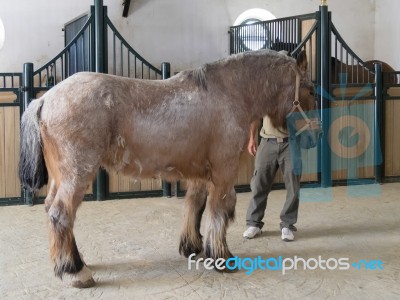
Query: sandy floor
pixel 132 247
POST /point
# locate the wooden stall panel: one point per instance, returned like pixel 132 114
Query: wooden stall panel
pixel 246 167
pixel 7 97
pixel 310 165
pixel 9 152
pixel 2 154
pixel 121 184
pixel 350 161
pixel 392 138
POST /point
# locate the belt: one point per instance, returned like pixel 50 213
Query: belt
pixel 278 140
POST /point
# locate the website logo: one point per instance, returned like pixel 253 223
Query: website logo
pixel 282 264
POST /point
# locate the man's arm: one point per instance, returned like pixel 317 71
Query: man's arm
pixel 252 146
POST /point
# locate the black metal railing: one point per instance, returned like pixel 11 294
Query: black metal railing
pixel 77 56
pixel 10 89
pixel 346 66
pixel 278 34
pixel 125 61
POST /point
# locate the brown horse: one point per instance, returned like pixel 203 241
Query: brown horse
pixel 362 73
pixel 194 125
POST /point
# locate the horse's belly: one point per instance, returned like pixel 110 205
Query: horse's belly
pixel 168 166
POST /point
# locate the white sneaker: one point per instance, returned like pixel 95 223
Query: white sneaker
pixel 287 235
pixel 251 232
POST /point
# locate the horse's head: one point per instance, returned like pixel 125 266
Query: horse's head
pixel 303 121
pixel 305 90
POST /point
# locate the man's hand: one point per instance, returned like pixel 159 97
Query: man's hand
pixel 252 147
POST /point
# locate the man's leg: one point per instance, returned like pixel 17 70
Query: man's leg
pixel 266 165
pixel 292 183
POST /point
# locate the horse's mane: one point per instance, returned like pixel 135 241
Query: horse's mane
pixel 199 75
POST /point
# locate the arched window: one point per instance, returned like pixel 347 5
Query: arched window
pixel 254 36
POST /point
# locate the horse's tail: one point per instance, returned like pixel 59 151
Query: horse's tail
pixel 32 168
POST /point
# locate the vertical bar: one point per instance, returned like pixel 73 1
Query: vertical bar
pixel 378 124
pixel 92 54
pixel 129 63
pixel 341 59
pixel 347 66
pixel 230 41
pixel 335 61
pixel 326 171
pixel 76 57
pixel 122 59
pixel 105 40
pixel 47 76
pixel 310 50
pixel 166 73
pixel 293 35
pixel 40 79
pixel 114 56
pixel 101 183
pixel 28 95
pixel 235 42
pixel 135 67
pixel 62 70
pixel 84 52
pixel 99 35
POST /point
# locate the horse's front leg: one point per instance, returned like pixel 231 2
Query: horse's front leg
pixel 221 210
pixel 195 203
pixel 63 249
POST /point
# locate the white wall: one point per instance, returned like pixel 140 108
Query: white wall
pixel 186 33
pixel 387 36
pixel 33 30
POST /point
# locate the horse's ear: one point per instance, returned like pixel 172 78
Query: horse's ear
pixel 302 63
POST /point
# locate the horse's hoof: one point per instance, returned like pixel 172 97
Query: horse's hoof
pixel 83 285
pixel 83 279
pixel 188 247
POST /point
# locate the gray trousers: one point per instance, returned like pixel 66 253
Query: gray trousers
pixel 271 155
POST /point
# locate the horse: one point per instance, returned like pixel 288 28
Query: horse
pixel 342 73
pixel 194 125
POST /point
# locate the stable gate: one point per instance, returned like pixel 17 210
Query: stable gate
pixel 98 47
pixel 10 114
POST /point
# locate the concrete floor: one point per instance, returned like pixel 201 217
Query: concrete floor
pixel 131 245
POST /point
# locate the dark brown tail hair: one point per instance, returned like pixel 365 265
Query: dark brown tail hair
pixel 32 168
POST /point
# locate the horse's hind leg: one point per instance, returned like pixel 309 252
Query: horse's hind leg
pixel 63 250
pixel 51 194
pixel 195 203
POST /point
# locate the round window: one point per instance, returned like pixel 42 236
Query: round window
pixel 253 34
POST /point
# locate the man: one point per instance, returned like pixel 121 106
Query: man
pixel 273 152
